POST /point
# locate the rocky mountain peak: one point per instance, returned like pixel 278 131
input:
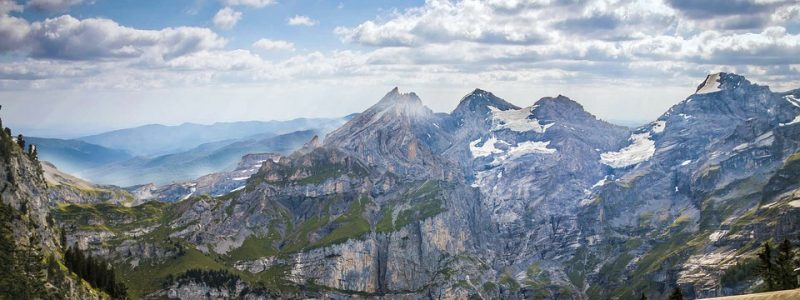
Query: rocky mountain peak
pixel 716 82
pixel 481 102
pixel 309 146
pixel 313 143
pixel 401 104
pixel 560 108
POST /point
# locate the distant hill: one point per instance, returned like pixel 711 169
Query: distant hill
pixel 154 140
pixel 201 160
pixel 73 156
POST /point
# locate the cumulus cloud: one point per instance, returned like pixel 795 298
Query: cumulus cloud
pixel 13 30
pixel 493 22
pixel 250 3
pixel 452 42
pixel 53 5
pixel 714 8
pixel 301 21
pixel 68 38
pixel 267 44
pixel 226 18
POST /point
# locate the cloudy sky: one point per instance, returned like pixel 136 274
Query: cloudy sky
pixel 72 67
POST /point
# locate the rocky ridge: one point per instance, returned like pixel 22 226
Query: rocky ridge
pixel 489 201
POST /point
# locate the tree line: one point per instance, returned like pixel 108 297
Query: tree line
pixel 96 271
pixel 777 267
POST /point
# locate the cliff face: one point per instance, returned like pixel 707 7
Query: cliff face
pixel 30 250
pixel 491 201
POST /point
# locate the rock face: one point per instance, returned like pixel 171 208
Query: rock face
pixel 31 250
pixel 489 201
pixel 398 135
pixel 65 188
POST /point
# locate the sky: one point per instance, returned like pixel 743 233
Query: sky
pixel 75 67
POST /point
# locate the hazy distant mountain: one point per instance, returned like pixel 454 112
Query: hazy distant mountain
pixel 73 156
pixel 204 159
pixel 152 140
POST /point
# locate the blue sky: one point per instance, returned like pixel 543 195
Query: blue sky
pixel 74 67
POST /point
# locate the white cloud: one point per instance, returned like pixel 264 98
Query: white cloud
pixel 13 30
pixel 53 5
pixel 301 21
pixel 226 18
pixel 267 44
pixel 250 3
pixel 454 44
pixel 68 38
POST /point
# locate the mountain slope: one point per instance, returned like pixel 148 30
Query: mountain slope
pixel 65 188
pixel 398 134
pixel 491 201
pixel 30 250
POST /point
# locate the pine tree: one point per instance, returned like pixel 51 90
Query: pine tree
pixel 643 297
pixel 767 267
pixel 784 263
pixel 96 271
pixel 34 269
pixel 676 294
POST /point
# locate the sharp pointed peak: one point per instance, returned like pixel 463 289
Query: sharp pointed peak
pixel 396 95
pixel 715 82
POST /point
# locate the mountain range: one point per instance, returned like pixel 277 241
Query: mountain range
pixel 488 201
pixel 165 154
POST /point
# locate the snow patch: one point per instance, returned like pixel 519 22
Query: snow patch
pixel 765 140
pixel 517 120
pixel 530 147
pixel 239 178
pixel 602 182
pixel 796 102
pixel 641 149
pixel 237 189
pixel 792 100
pixel 658 126
pixel 710 85
pixel 485 150
pixel 686 162
pixel 191 192
pixel 796 120
pixel 741 147
pixel 795 203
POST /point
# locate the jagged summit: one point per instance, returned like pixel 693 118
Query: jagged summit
pixel 309 146
pixel 397 103
pixel 395 96
pixel 716 82
pixel 480 101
